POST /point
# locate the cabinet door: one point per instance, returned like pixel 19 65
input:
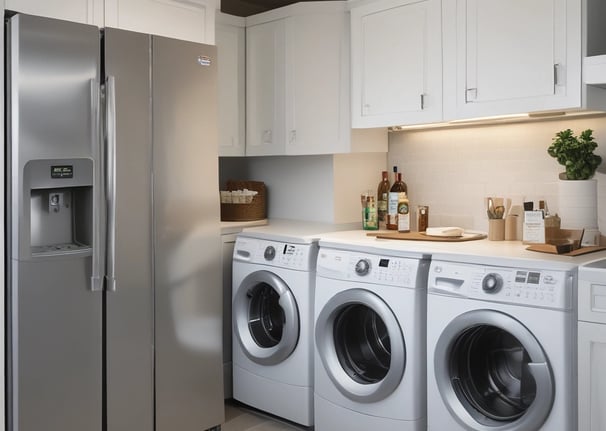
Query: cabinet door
pixel 511 56
pixel 592 376
pixel 83 11
pixel 317 83
pixel 192 20
pixel 396 63
pixel 265 63
pixel 231 46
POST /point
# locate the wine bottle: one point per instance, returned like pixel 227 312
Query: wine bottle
pixel 382 194
pixel 392 205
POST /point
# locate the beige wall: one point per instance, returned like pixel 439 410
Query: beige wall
pixel 453 170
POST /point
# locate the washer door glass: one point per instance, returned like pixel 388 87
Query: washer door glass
pixel 266 318
pixel 361 345
pixel 496 370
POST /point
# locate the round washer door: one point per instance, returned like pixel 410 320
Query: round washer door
pixel 266 318
pixel 361 345
pixel 492 373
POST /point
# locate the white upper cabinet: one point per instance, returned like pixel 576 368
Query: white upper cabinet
pixel 231 47
pixel 317 83
pixel 511 56
pixel 265 92
pixel 396 63
pixel 192 20
pixel 297 83
pixel 83 11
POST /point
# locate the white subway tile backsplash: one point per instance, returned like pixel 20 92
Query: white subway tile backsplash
pixel 453 170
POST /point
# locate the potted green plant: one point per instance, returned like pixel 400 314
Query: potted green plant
pixel 577 190
pixel 575 154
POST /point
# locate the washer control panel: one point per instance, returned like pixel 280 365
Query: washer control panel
pixel 368 268
pixel 532 287
pixel 275 253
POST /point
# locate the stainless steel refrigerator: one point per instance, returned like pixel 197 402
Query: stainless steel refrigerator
pixel 113 273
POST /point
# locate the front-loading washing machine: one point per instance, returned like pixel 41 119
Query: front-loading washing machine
pixel 501 347
pixel 369 360
pixel 273 285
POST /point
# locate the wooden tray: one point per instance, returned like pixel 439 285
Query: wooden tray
pixel 420 236
pixel 553 249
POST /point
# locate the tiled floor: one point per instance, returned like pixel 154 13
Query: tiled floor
pixel 239 417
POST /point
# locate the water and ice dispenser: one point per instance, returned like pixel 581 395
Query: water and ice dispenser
pixel 59 194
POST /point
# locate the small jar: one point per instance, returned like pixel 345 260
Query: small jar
pixel 422 218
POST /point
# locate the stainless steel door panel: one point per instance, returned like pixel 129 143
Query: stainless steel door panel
pixel 187 264
pixel 54 65
pixel 51 102
pixel 129 309
pixel 55 320
pixel 56 347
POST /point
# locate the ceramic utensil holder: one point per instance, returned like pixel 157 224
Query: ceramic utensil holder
pixel 496 229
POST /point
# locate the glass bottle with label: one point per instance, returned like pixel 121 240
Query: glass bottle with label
pixel 392 205
pixel 370 220
pixel 382 194
pixel 403 213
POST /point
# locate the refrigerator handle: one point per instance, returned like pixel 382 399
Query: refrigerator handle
pixel 98 192
pixel 110 92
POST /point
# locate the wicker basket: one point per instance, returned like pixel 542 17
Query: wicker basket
pixel 256 210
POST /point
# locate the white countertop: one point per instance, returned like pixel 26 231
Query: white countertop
pixel 498 253
pixel 295 230
pixel 228 227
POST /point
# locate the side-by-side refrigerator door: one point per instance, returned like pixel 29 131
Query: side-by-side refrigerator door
pixel 54 298
pixel 187 262
pixel 129 296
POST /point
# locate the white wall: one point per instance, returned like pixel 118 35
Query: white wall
pixel 453 170
pixel 311 188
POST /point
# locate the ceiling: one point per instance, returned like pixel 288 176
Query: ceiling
pixel 251 7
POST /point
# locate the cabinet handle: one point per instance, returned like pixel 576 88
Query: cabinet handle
pixel 422 101
pixel 556 74
pixel 292 137
pixel 471 94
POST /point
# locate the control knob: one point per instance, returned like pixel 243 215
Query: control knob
pixel 270 252
pixel 362 267
pixel 492 283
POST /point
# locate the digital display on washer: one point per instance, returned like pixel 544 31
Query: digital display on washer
pixel 528 277
pixel 534 277
pixel 383 263
pixel 288 249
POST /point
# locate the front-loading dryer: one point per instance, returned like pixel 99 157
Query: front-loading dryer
pixel 272 298
pixel 369 361
pixel 501 347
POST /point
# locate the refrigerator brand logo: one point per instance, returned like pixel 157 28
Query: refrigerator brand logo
pixel 204 60
pixel 62 171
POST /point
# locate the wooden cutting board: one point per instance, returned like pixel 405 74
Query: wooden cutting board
pixel 420 236
pixel 548 248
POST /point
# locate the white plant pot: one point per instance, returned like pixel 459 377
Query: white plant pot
pixel 578 207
